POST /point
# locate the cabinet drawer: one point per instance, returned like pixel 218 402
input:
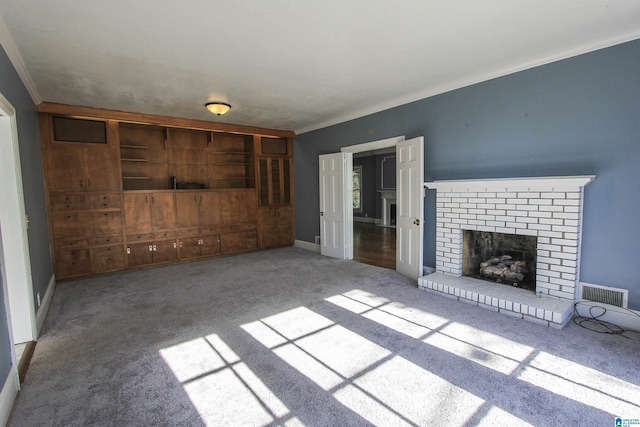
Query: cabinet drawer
pixel 103 201
pixel 61 202
pixel 139 237
pixel 108 258
pixel 70 225
pixel 209 230
pixel 63 245
pixel 189 232
pixel 237 227
pixel 165 234
pixel 104 241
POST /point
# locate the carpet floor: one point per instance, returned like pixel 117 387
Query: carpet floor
pixel 287 337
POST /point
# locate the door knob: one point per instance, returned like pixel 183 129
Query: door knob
pixel 321 213
pixel 416 221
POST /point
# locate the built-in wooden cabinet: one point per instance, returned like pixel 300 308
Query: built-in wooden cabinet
pixel 113 203
pixel 275 193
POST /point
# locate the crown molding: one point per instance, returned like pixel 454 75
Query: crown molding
pixel 18 63
pixel 474 79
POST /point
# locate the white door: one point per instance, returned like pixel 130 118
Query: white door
pixel 410 206
pixel 17 265
pixel 336 215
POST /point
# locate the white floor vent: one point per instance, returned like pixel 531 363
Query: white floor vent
pixel 604 294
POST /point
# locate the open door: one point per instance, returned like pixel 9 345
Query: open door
pixel 336 216
pixel 410 206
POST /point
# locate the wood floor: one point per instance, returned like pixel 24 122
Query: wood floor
pixel 374 245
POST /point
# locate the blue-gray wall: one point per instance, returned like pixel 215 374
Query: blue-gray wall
pixel 572 117
pixel 14 91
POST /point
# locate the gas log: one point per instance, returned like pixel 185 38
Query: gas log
pixel 504 267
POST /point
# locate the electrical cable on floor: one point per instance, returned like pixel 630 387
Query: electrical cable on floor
pixel 596 324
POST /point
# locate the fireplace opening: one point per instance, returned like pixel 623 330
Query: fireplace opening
pixel 508 259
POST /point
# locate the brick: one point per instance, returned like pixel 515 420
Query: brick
pixel 475 222
pixel 541 215
pixel 563 282
pixel 569 276
pixel 526 208
pixel 548 273
pixel 565 215
pixel 570 263
pixel 544 240
pixel 554 195
pixel 572 209
pixel 539 227
pixel 572 222
pixel 505 230
pixel 507 194
pixel 487 229
pixel 564 228
pixel 543 253
pixel 486 205
pixel 527 220
pixel 551 234
pixel 451 205
pixel 477 211
pixel 496 212
pixel 551 208
pixel 476 200
pixel 487 217
pixel 517 201
pixel 468 205
pixel 551 221
pixel 562 255
pixel 571 236
pixel 458 221
pixel 505 207
pixel 549 247
pixel 496 223
pixel 564 242
pixel 459 199
pixel 467 216
pixel 549 260
pixel 528 195
pixel 527 232
pixel 570 249
pixel 540 201
pixel 573 195
pixel 495 200
pixel 518 213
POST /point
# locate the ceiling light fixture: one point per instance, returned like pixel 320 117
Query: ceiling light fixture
pixel 218 108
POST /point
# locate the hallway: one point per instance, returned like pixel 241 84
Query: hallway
pixel 374 245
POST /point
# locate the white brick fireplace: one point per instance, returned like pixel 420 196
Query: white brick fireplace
pixel 548 208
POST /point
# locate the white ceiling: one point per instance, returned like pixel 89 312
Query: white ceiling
pixel 292 64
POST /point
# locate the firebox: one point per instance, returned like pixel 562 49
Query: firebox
pixel 508 259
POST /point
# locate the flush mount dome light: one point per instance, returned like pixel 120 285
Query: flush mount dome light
pixel 218 108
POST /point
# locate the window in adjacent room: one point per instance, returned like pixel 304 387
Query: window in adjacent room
pixel 357 188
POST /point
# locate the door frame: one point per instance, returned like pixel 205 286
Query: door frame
pixel 17 280
pixel 348 196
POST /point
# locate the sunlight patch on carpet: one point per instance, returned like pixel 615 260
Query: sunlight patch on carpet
pixel 582 384
pixel 222 388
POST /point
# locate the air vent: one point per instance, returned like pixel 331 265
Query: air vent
pixel 604 294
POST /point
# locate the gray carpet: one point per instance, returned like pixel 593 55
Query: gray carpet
pixel 288 337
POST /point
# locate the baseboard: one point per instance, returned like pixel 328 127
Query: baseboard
pixel 41 314
pixel 364 219
pixel 8 396
pixel 627 319
pixel 307 245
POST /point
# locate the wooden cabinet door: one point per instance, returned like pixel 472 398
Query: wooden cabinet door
pixel 209 209
pixel 238 242
pixel 101 223
pixel 163 216
pixel 187 209
pixel 72 263
pixel 102 172
pixel 210 245
pixel 190 247
pixel 137 213
pixel 108 258
pixel 65 168
pixel 165 251
pixel 268 223
pixel 238 206
pixel 140 254
pixel 286 230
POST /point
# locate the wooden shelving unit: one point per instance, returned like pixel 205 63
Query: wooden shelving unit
pixel 109 197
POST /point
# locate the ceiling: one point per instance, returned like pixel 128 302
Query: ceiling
pixel 291 64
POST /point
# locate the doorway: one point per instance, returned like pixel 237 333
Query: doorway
pixel 336 203
pixel 374 198
pixel 16 265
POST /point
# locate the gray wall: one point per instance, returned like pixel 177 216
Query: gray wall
pixel 573 117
